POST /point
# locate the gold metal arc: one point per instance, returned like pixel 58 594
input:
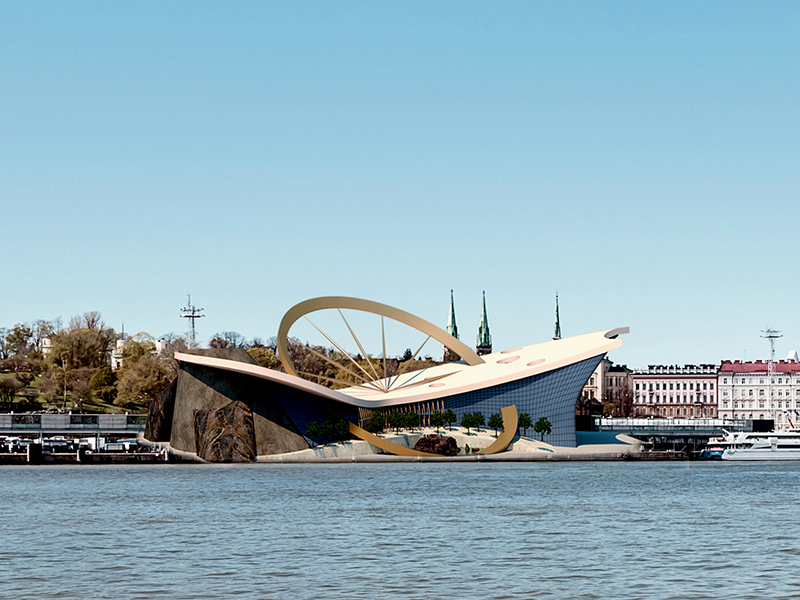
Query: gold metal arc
pixel 503 441
pixel 384 310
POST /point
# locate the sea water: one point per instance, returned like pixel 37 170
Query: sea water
pixel 606 530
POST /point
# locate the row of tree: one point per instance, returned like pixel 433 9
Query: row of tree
pixel 411 420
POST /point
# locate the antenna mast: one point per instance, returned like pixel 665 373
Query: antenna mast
pixel 771 335
pixel 192 313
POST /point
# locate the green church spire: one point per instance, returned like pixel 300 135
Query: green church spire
pixel 557 335
pixel 451 321
pixel 484 345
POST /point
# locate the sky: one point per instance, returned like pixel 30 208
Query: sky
pixel 640 159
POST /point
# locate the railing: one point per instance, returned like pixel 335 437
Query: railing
pixel 667 425
pixel 72 422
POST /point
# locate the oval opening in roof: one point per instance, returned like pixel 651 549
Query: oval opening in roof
pixel 538 361
pixel 509 359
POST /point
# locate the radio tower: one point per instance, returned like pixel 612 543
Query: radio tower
pixel 771 335
pixel 192 313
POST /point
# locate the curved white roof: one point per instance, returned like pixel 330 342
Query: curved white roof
pixel 443 380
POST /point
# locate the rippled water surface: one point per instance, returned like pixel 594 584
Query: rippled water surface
pixel 564 530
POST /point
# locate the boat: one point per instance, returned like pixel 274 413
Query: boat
pixel 779 445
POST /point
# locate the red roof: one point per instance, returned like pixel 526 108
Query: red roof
pixel 759 366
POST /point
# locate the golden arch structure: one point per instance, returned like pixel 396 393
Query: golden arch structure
pixel 543 380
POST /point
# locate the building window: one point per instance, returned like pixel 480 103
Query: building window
pixel 711 385
pixel 760 392
pixel 725 381
pixel 637 386
pixel 724 404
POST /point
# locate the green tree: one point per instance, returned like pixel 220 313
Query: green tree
pixel 411 420
pixel 467 421
pixel 266 357
pixel 376 423
pixel 142 381
pixel 450 418
pixel 437 420
pixel 495 422
pixel 396 420
pixel 18 340
pixel 86 343
pixel 543 427
pixel 103 384
pixel 480 420
pixel 341 430
pixel 313 431
pixel 524 422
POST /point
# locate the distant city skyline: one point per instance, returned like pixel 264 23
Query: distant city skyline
pixel 640 159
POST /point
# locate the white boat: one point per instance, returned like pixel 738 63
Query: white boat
pixel 780 445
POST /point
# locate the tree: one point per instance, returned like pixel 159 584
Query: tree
pixel 396 420
pixel 9 386
pixel 81 346
pixel 313 431
pixel 438 420
pixel 467 421
pixel 524 422
pixel 104 384
pixel 3 343
pixel 406 355
pixel 142 381
pixel 376 423
pixel 18 340
pixel 266 357
pixel 41 329
pixel 449 418
pixel 227 339
pixel 495 422
pixel 543 427
pixel 480 420
pixel 411 420
pixel 340 430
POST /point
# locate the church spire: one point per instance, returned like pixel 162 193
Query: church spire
pixel 557 335
pixel 451 321
pixel 484 345
pixel 449 355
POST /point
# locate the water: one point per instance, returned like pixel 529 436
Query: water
pixel 564 530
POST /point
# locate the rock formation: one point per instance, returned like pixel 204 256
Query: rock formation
pixel 225 434
pixel 446 446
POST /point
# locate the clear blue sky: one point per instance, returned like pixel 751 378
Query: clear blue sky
pixel 641 158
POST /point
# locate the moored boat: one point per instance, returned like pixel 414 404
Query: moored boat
pixel 780 445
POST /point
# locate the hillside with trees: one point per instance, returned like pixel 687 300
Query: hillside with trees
pixel 45 365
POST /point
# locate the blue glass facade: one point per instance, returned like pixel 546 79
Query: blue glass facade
pixel 552 394
pixel 302 407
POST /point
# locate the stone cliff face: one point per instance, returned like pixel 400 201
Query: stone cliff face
pixel 446 446
pixel 225 434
